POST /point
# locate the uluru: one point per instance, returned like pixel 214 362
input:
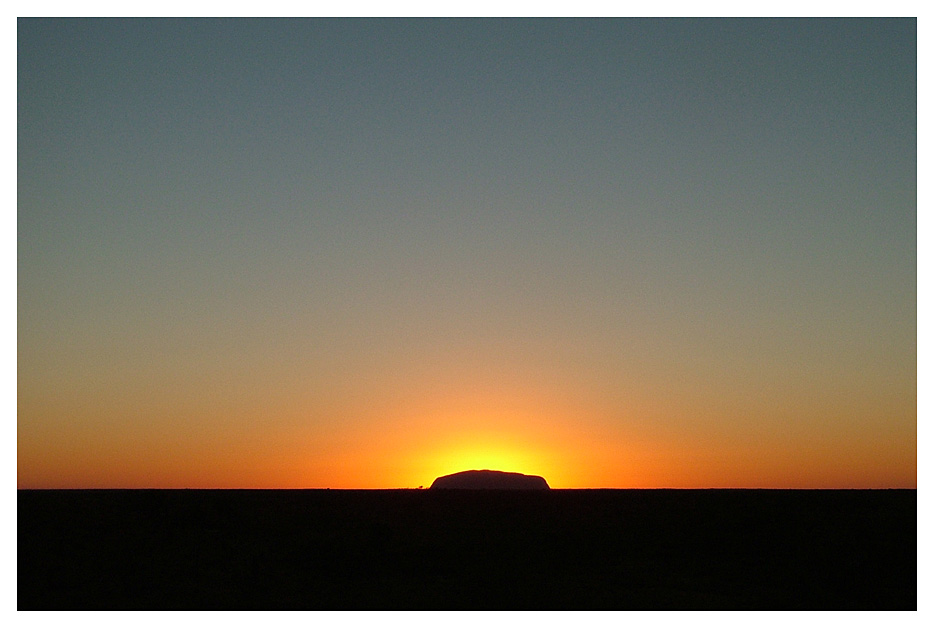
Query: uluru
pixel 489 479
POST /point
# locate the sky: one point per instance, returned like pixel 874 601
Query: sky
pixel 367 253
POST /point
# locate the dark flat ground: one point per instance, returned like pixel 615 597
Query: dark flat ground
pixel 455 549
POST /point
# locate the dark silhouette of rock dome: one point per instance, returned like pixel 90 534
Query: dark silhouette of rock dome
pixel 489 479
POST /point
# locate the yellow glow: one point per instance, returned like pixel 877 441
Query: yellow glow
pixel 486 454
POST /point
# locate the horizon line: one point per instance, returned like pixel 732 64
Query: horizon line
pixel 661 488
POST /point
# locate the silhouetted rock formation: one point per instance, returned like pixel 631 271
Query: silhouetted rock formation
pixel 489 479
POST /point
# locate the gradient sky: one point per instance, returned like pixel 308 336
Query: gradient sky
pixel 318 253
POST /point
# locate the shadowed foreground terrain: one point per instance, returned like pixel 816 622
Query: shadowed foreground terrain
pixel 410 549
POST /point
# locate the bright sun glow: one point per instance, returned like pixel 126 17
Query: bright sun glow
pixel 487 457
pixel 490 452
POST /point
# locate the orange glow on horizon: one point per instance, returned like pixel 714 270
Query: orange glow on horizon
pixel 413 444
